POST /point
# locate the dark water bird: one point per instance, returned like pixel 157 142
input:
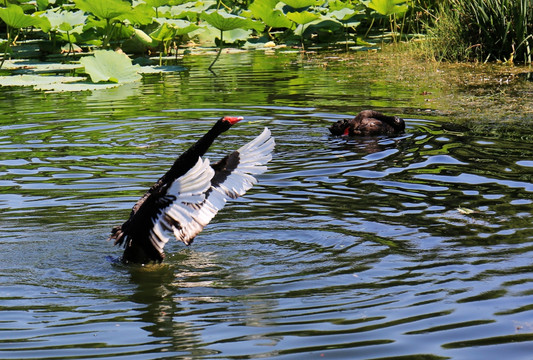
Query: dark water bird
pixel 190 194
pixel 369 123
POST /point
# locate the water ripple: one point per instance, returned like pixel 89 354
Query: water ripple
pixel 417 246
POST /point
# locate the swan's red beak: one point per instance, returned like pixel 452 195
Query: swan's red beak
pixel 232 119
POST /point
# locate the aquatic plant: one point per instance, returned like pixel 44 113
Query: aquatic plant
pixel 484 30
pixel 223 21
pixel 107 65
pixel 16 20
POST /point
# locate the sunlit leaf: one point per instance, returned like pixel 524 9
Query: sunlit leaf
pixel 33 80
pixel 104 9
pixel 192 10
pixel 141 14
pixel 303 17
pixel 388 7
pixel 343 14
pixel 181 27
pixel 164 32
pixel 157 3
pixel 465 211
pixel 298 4
pixel 14 16
pixel 264 10
pixel 224 21
pixel 75 86
pixel 112 66
pixel 65 20
pixel 234 35
pixel 336 5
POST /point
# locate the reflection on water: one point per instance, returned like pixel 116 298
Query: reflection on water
pixel 417 246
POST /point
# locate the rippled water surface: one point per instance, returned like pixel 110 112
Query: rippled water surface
pixel 414 247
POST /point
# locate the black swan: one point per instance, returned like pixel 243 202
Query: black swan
pixel 190 194
pixel 369 123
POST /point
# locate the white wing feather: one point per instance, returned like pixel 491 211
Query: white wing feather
pixel 193 201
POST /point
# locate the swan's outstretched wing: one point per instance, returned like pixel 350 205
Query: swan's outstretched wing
pixel 193 199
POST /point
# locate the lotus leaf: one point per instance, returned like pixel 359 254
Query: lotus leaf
pixel 157 3
pixel 181 27
pixel 65 20
pixel 303 17
pixel 224 21
pixel 14 16
pixel 388 7
pixel 190 9
pixel 165 32
pixel 104 9
pixel 265 11
pixel 112 66
pixel 33 80
pixel 338 5
pixel 343 14
pixel 232 36
pixel 141 14
pixel 298 4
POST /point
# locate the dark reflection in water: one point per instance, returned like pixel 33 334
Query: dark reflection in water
pixel 412 247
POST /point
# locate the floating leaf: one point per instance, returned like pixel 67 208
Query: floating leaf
pixel 33 80
pixel 14 16
pixel 465 211
pixel 264 10
pixel 107 65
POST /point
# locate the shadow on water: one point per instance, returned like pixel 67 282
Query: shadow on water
pixel 417 246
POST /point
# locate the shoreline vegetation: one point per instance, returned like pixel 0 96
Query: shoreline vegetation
pixel 93 41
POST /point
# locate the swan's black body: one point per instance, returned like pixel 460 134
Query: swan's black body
pixel 369 123
pixel 185 199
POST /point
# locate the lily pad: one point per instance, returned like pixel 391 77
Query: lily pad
pixel 161 69
pixel 107 65
pixel 75 86
pixel 34 80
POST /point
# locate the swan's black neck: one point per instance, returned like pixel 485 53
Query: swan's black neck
pixel 189 158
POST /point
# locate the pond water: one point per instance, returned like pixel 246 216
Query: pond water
pixel 413 247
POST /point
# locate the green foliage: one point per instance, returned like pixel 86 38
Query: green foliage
pixel 484 30
pixel 389 7
pixel 300 4
pixel 14 17
pixel 303 17
pixel 475 29
pixel 104 9
pixel 224 21
pixel 266 12
pixel 107 65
